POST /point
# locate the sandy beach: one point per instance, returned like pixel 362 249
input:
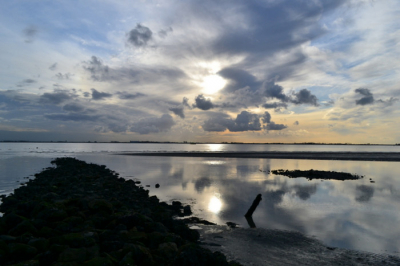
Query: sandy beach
pixel 349 156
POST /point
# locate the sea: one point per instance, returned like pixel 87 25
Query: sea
pixel 359 214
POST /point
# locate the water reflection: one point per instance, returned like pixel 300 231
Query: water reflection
pixel 352 214
pixel 215 204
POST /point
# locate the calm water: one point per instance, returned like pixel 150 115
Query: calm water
pixel 351 214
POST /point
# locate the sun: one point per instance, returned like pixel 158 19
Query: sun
pixel 212 84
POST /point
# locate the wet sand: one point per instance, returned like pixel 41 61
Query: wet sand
pixel 348 156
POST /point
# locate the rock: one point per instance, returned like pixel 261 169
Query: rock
pixel 23 227
pixel 73 255
pixel 168 250
pixel 21 251
pixel 101 205
pixel 187 211
pixel 99 261
pixel 40 244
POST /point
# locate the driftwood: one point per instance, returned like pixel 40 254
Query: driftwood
pixel 253 206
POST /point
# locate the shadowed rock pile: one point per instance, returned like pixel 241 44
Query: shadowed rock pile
pixel 84 214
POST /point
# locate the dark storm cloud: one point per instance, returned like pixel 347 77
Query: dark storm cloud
pixel 367 98
pixel 273 26
pixel 139 36
pixel 123 95
pixel 272 90
pixel 53 67
pixel 238 79
pixel 203 103
pixel 364 193
pixel 273 126
pixel 96 95
pixel 266 117
pixel 218 123
pixel 57 97
pixel 304 96
pixel 73 107
pixel 178 111
pixel 274 105
pixel 153 125
pixel 134 74
pixel 244 121
pixel 76 117
pixel 185 102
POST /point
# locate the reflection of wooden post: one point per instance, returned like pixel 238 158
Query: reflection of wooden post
pixel 253 207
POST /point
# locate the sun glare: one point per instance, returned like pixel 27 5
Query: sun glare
pixel 212 84
pixel 215 205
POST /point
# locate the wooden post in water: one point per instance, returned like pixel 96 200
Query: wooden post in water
pixel 253 206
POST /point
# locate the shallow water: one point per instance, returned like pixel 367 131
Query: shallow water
pixel 354 214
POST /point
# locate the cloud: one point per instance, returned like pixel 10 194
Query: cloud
pixel 272 90
pixel 164 33
pixel 178 111
pixel 30 33
pixel 364 193
pixel 244 121
pixel 129 96
pixel 117 128
pixel 96 95
pixel 76 117
pixel 238 79
pixel 304 96
pixel 274 105
pixel 53 67
pixel 367 98
pixel 203 103
pixel 73 107
pixel 64 76
pixel 136 74
pixel 266 117
pixel 185 102
pixel 273 126
pixel 139 36
pixel 57 97
pixel 26 82
pixel 153 125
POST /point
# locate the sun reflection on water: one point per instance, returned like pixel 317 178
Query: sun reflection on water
pixel 215 204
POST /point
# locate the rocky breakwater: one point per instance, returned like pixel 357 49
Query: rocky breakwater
pixel 84 214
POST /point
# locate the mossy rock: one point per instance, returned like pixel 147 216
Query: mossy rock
pixel 21 251
pixel 98 261
pixel 24 227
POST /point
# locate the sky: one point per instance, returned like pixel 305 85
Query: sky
pixel 259 71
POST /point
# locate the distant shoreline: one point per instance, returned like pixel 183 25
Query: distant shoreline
pixel 346 156
pixel 194 143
